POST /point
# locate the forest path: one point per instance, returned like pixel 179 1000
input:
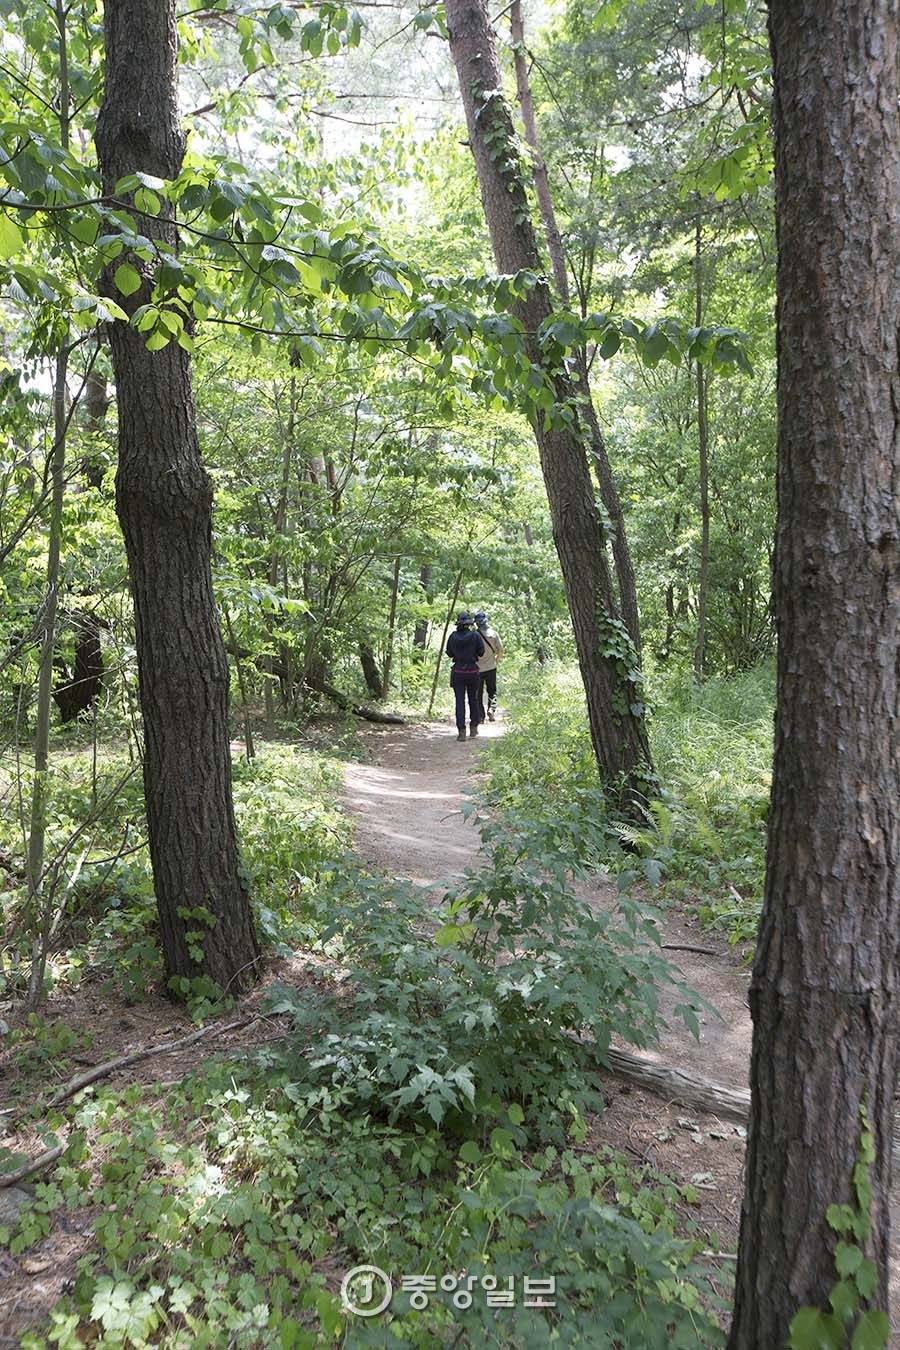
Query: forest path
pixel 407 807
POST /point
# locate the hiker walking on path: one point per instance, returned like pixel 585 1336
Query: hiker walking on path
pixel 465 647
pixel 487 665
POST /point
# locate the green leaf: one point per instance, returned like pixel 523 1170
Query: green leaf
pixel 11 240
pixel 221 209
pixel 846 1259
pixel 147 202
pixel 866 1278
pixel 452 934
pixel 872 1331
pixel 292 1336
pixel 502 1143
pixel 85 230
pixel 127 279
pixel 812 1329
pixel 611 343
pixel 840 1218
pixel 158 339
pixel 844 1299
pixel 470 1152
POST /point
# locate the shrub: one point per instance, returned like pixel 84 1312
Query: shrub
pixel 704 837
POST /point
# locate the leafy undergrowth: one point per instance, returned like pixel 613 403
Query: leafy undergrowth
pixel 99 882
pixel 425 1114
pixel 704 836
pixel 239 1229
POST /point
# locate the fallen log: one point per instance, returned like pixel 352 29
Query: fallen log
pixel 678 1086
pixel 347 705
pixel 695 1091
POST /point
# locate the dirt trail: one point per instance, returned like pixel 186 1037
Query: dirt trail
pixel 407 808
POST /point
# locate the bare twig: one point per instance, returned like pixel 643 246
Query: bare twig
pixel 686 947
pixel 35 1165
pixel 123 1061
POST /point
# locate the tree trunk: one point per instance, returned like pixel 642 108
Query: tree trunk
pixel 279 527
pixel 37 824
pixel 538 166
pixel 420 636
pixel 703 454
pixel 605 651
pixel 164 505
pixel 602 467
pixel 246 714
pixel 96 403
pixel 77 690
pixel 392 629
pixel 824 987
pixel 371 673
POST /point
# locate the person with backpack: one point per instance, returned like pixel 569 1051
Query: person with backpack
pixel 487 666
pixel 465 647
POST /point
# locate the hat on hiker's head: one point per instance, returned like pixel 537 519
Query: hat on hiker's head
pixel 480 618
pixel 463 620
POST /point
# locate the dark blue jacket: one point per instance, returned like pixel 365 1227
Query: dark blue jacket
pixel 465 646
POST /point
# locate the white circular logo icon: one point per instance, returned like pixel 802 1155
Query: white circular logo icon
pixel 366 1291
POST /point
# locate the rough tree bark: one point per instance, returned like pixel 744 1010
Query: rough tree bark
pixel 824 987
pixel 627 591
pixel 615 715
pixel 370 669
pixel 164 505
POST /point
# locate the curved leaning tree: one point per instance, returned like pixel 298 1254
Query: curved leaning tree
pixel 610 667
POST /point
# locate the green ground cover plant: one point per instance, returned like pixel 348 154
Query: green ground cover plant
pixel 703 841
pixel 104 914
pixel 426 1111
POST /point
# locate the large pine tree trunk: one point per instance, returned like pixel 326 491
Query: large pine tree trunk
pixel 614 709
pixel 164 504
pixel 824 988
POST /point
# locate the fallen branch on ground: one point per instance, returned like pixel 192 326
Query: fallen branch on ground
pixel 685 947
pixel 35 1165
pixel 123 1061
pixel 693 1090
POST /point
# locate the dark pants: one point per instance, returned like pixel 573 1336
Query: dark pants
pixel 487 682
pixel 465 684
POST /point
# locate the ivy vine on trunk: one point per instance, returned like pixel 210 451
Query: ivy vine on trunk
pixel 609 664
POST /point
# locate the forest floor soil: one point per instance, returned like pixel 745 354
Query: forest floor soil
pixel 407 805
